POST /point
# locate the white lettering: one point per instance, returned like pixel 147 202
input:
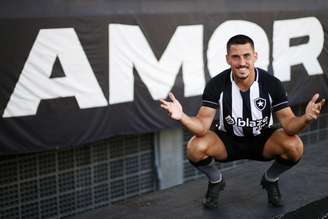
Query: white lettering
pixel 34 83
pixel 128 48
pixel 284 55
pixel 259 124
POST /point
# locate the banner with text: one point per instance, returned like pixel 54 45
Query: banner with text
pixel 67 81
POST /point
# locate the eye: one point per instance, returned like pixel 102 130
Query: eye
pixel 235 57
pixel 247 56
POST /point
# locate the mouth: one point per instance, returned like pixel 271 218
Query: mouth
pixel 242 67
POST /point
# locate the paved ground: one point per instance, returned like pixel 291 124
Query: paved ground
pixel 242 197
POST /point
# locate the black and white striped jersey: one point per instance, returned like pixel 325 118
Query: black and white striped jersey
pixel 245 113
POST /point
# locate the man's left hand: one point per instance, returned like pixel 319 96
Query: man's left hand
pixel 313 109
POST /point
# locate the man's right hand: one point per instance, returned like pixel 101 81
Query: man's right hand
pixel 173 107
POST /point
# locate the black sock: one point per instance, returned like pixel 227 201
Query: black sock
pixel 278 167
pixel 208 167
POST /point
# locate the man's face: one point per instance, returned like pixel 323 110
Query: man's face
pixel 241 58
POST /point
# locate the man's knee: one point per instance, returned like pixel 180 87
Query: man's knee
pixel 294 148
pixel 196 149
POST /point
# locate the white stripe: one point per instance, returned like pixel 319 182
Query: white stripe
pixel 237 107
pixel 279 104
pixel 206 101
pixel 271 117
pixel 221 127
pixel 256 114
pixel 271 120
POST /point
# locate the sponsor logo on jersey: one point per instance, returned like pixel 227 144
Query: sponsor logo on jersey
pixel 230 120
pixel 240 122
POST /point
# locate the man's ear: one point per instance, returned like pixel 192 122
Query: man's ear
pixel 255 55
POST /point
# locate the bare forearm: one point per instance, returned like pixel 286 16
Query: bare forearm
pixel 193 125
pixel 296 125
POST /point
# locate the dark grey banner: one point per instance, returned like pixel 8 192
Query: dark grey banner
pixel 67 81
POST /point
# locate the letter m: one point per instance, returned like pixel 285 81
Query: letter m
pixel 128 49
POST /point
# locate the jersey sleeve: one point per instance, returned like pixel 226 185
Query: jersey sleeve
pixel 278 95
pixel 211 94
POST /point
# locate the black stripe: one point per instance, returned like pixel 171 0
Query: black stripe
pixel 264 93
pixel 227 105
pixel 247 114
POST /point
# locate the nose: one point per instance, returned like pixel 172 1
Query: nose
pixel 242 61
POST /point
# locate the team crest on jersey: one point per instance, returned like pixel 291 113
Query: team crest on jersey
pixel 260 103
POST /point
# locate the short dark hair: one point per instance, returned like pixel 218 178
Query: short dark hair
pixel 239 39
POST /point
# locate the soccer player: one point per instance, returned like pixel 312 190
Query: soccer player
pixel 245 97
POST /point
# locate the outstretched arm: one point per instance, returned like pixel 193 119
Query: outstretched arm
pixel 198 125
pixel 293 124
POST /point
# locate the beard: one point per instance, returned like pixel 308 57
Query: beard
pixel 242 75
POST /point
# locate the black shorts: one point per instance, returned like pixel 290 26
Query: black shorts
pixel 246 147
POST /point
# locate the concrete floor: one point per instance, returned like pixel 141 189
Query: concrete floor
pixel 242 198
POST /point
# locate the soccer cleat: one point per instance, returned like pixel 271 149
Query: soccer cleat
pixel 274 195
pixel 211 199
